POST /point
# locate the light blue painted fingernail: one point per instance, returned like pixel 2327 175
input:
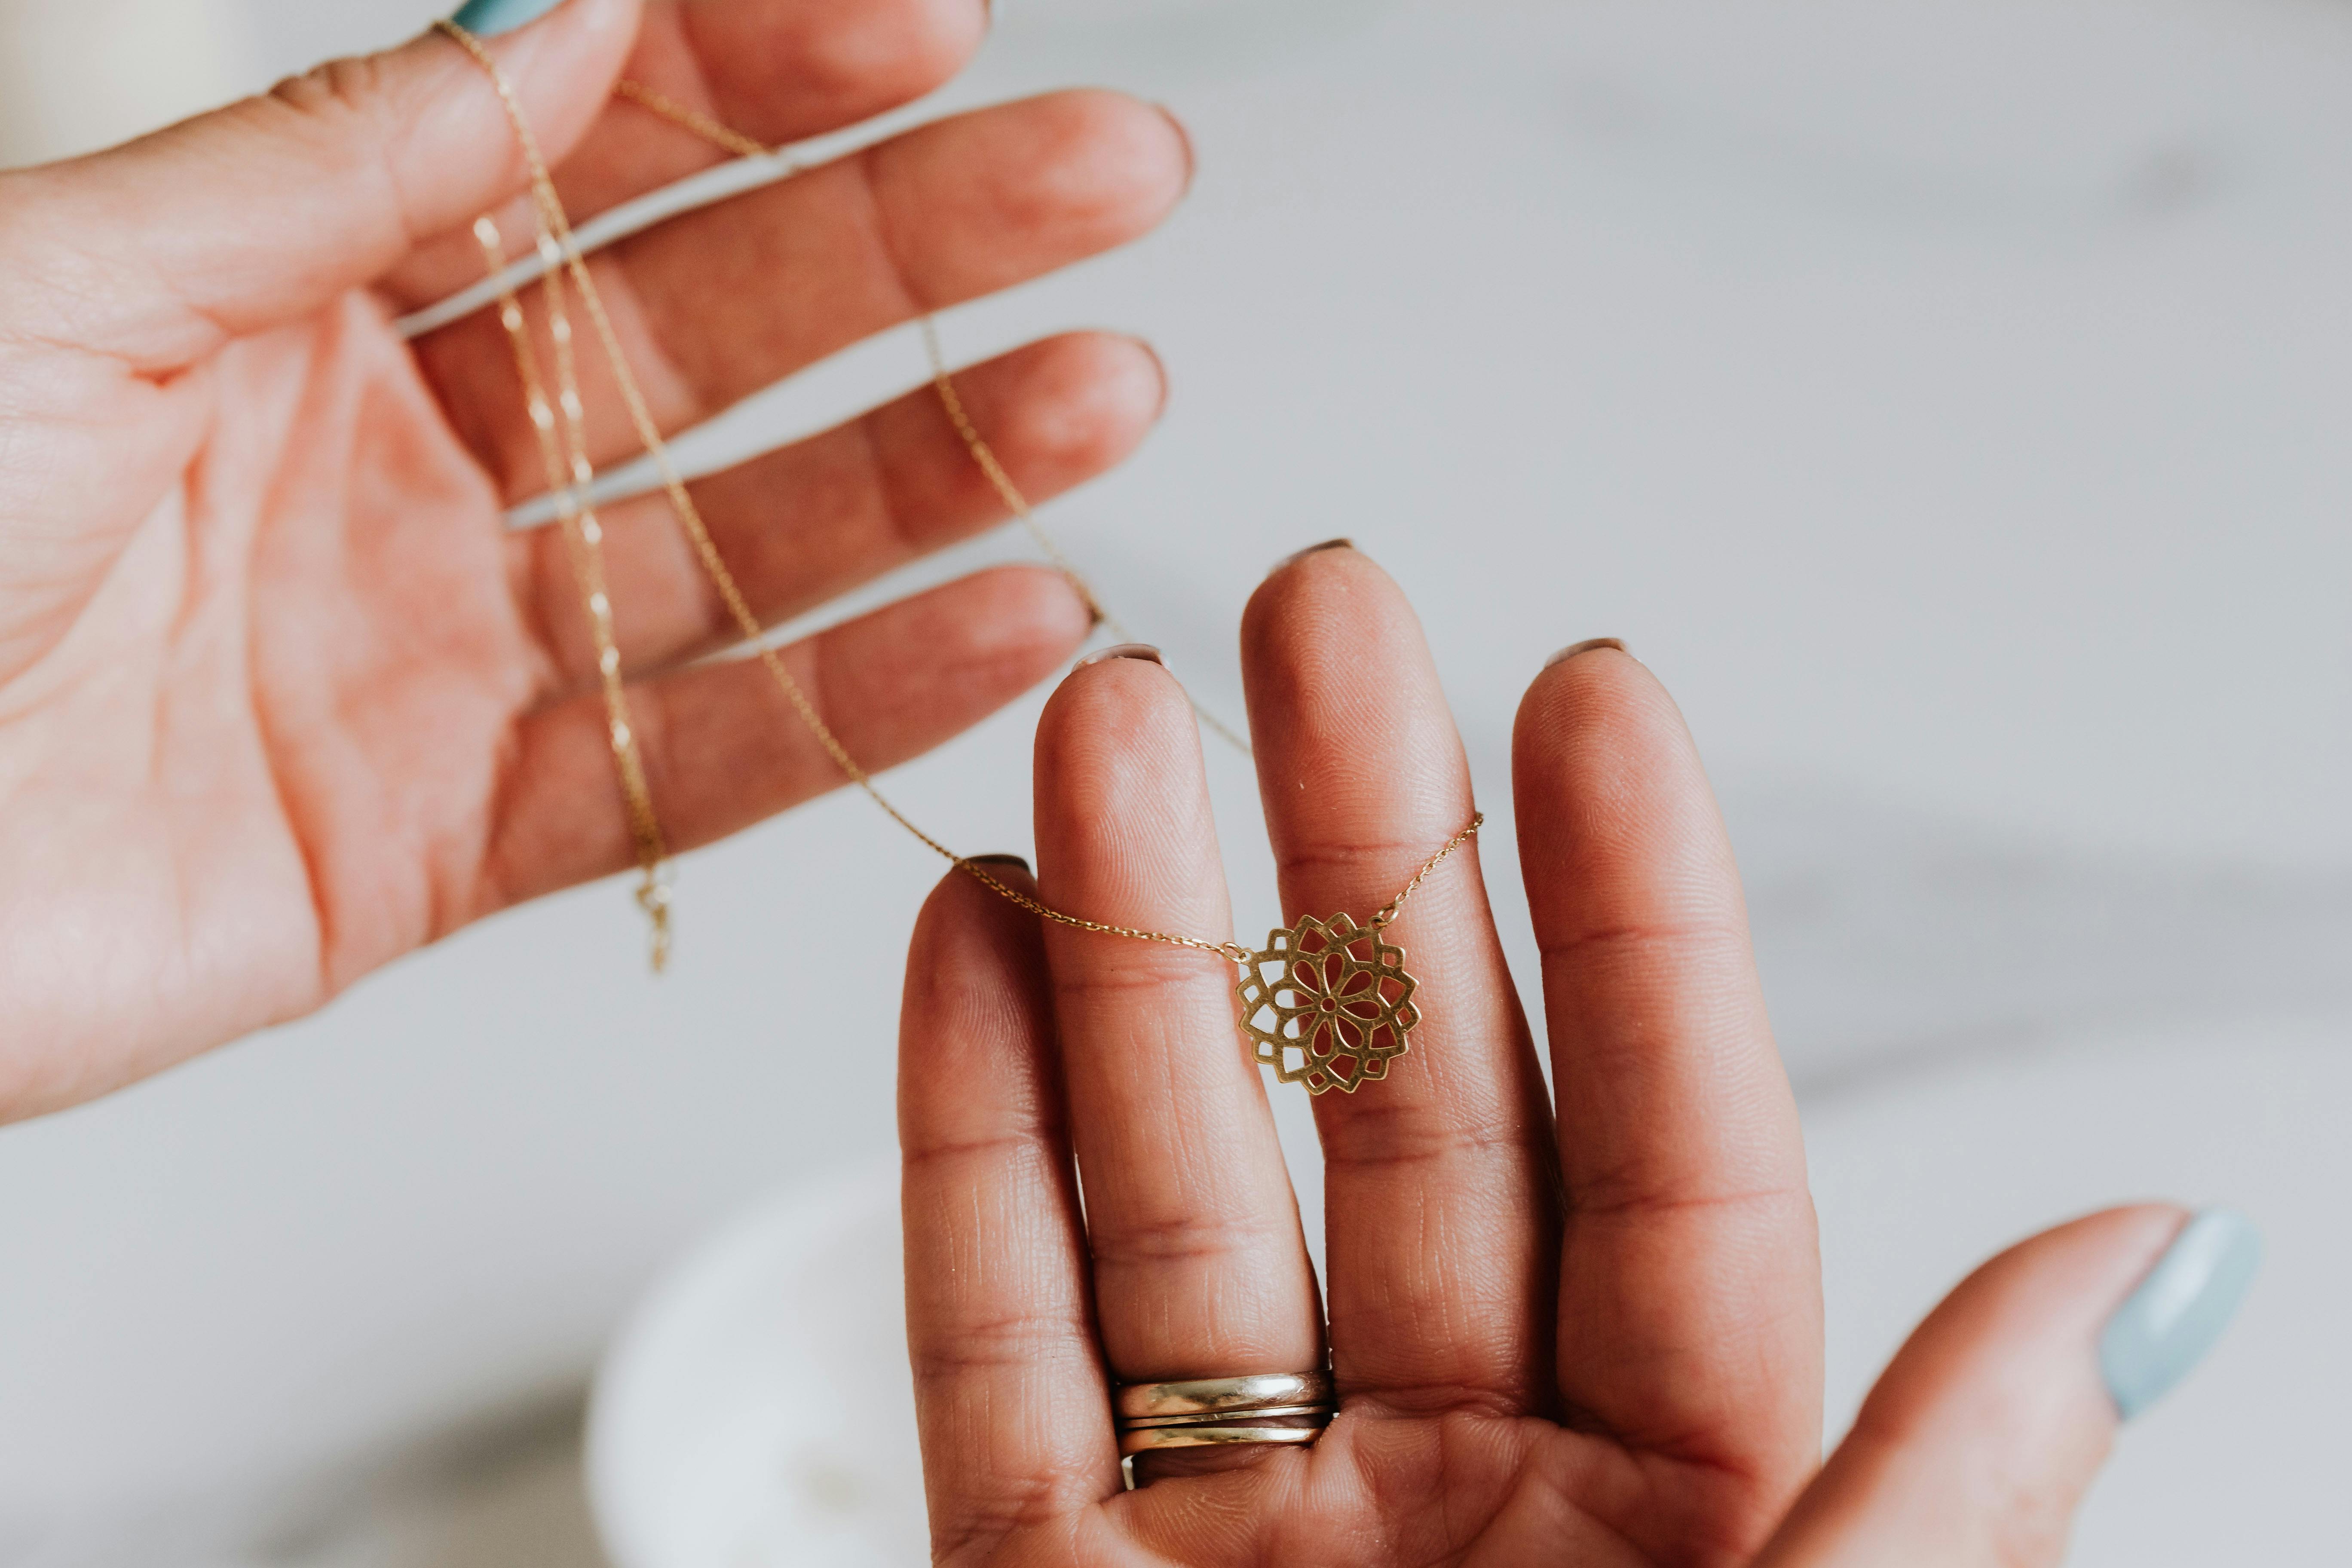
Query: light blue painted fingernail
pixel 489 19
pixel 2180 1310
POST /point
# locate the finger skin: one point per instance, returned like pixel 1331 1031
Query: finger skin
pixel 777 70
pixel 1442 1224
pixel 1009 1391
pixel 718 303
pixel 1690 1297
pixel 264 211
pixel 723 750
pixel 1980 1441
pixel 1200 1267
pixel 800 526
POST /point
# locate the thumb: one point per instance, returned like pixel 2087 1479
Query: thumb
pixel 259 212
pixel 1978 1442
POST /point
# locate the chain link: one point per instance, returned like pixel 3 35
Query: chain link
pixel 692 120
pixel 1386 915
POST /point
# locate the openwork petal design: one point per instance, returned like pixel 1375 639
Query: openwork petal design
pixel 1328 1003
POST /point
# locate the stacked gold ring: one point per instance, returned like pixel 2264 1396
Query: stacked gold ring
pixel 1215 1412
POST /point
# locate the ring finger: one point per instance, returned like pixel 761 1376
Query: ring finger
pixel 1200 1267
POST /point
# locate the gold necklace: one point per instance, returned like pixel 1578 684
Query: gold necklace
pixel 1326 1003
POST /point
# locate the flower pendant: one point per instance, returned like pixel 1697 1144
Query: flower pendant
pixel 1328 1003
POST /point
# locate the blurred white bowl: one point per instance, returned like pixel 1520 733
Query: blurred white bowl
pixel 756 1414
pixel 755 1411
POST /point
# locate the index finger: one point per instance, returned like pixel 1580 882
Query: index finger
pixel 1690 1289
pixel 776 71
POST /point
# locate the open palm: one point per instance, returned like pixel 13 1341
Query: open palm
pixel 1575 1325
pixel 280 699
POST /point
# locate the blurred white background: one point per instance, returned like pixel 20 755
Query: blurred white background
pixel 1946 397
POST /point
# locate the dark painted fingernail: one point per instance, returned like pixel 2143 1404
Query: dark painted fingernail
pixel 2181 1311
pixel 489 19
pixel 1143 650
pixel 998 861
pixel 1191 162
pixel 1298 555
pixel 1586 645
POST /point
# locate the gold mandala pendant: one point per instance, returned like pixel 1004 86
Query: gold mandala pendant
pixel 1328 1003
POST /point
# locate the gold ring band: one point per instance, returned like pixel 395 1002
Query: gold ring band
pixel 1222 1395
pixel 1147 1440
pixel 1266 1413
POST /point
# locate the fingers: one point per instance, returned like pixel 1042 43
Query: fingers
pixel 262 212
pixel 1009 1392
pixel 1978 1444
pixel 1200 1268
pixel 1440 1225
pixel 816 518
pixel 1690 1309
pixel 723 750
pixel 775 70
pixel 721 302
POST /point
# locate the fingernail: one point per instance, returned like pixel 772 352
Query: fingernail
pixel 1159 365
pixel 1143 650
pixel 1191 162
pixel 489 19
pixel 1586 645
pixel 1298 555
pixel 2178 1312
pixel 998 861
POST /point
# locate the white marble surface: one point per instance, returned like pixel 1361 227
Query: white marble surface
pixel 1947 398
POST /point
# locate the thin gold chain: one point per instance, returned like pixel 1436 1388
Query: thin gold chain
pixel 693 120
pixel 570 477
pixel 557 239
pixel 1387 914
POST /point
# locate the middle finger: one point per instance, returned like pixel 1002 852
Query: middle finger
pixel 1443 1222
pixel 829 513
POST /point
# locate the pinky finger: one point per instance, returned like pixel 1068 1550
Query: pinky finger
pixel 723 749
pixel 1979 1442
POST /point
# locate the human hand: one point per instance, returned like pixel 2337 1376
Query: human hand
pixel 279 698
pixel 1581 1333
